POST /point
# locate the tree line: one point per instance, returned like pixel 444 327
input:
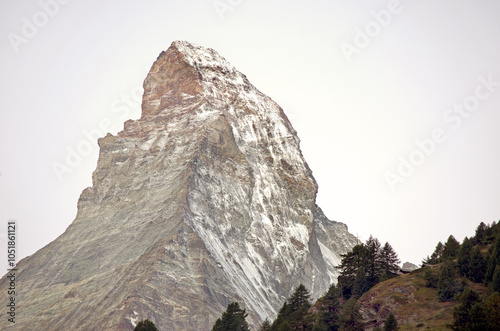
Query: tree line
pixel 359 270
pixel 332 314
pixel 451 268
pixel 365 266
pixel 475 260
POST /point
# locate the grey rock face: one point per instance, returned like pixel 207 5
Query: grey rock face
pixel 205 200
pixel 409 267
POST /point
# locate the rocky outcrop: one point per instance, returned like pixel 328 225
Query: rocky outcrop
pixel 414 305
pixel 408 267
pixel 206 199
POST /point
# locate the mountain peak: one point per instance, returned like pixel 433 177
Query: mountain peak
pixel 202 57
pixel 204 200
pixel 171 80
pixel 185 72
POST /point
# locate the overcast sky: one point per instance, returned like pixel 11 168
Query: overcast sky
pixel 396 103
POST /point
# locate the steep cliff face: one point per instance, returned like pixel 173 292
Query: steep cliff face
pixel 206 199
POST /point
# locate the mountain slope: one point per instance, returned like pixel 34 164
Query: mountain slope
pixel 411 302
pixel 206 199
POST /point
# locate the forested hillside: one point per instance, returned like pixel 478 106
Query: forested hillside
pixel 457 288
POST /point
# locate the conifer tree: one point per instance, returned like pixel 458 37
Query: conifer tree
pixel 266 325
pixel 390 323
pixel 431 280
pixel 280 323
pixel 292 315
pixel 461 313
pixel 478 318
pixel 350 318
pixel 448 285
pixel 348 268
pixel 299 305
pixel 493 310
pixel 464 257
pixel 363 267
pixel 145 325
pixel 373 264
pixel 436 255
pixel 450 249
pixel 489 236
pixel 233 319
pixel 495 231
pixel 480 232
pixel 493 259
pixel 389 260
pixel 477 266
pixel 328 319
pixel 361 284
pixel 495 282
pixel 300 298
pixel 470 313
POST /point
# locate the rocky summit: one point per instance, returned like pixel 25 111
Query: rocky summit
pixel 205 200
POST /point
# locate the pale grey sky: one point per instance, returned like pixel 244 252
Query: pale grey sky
pixel 396 103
